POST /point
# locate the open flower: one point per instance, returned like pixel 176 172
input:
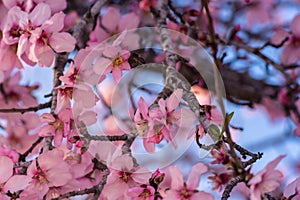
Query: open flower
pixel 48 38
pixel 123 175
pixel 187 190
pixel 267 180
pixel 48 170
pixel 114 60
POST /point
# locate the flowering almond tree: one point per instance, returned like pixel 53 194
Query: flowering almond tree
pixel 143 100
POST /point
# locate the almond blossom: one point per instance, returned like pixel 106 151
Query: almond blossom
pixel 187 190
pixel 59 126
pixel 48 170
pixel 123 175
pixel 170 118
pixel 114 23
pixel 114 60
pixel 48 39
pixel 267 180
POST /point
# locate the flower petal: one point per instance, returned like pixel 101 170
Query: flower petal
pixel 62 42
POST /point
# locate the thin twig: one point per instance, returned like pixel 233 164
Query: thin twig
pixel 29 109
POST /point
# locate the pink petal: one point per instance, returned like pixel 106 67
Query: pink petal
pixel 47 117
pixel 149 146
pixel 289 54
pixel 142 105
pixel 274 163
pixel 55 23
pixel 111 19
pixel 22 45
pixel 16 183
pixel 292 188
pixel 295 26
pixel 117 74
pixel 194 176
pixel 174 100
pixel 279 36
pixel 46 131
pixel 62 42
pixel 6 168
pixel 202 195
pixel 129 21
pixel 9 3
pixel 40 14
pixel 103 66
pixel 56 5
pixel 177 178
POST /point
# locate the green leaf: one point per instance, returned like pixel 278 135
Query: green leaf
pixel 214 132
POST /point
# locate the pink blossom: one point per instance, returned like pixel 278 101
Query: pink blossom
pixel 267 180
pixel 187 190
pixel 291 49
pixel 123 175
pixel 170 118
pixel 58 127
pixel 48 38
pixel 115 23
pixel 114 60
pixel 48 170
pixel 144 124
pixel 70 76
pixel 292 190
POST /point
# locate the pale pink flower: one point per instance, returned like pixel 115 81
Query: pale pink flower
pixel 59 126
pixel 170 118
pixel 267 180
pixel 144 124
pixel 292 190
pixel 291 49
pixel 48 38
pixel 123 175
pixel 187 190
pixel 114 60
pixel 115 23
pixel 70 76
pixel 48 170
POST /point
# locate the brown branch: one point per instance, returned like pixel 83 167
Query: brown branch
pixel 231 185
pixel 123 137
pixel 173 80
pixel 23 156
pixel 87 18
pixel 212 33
pixel 23 110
